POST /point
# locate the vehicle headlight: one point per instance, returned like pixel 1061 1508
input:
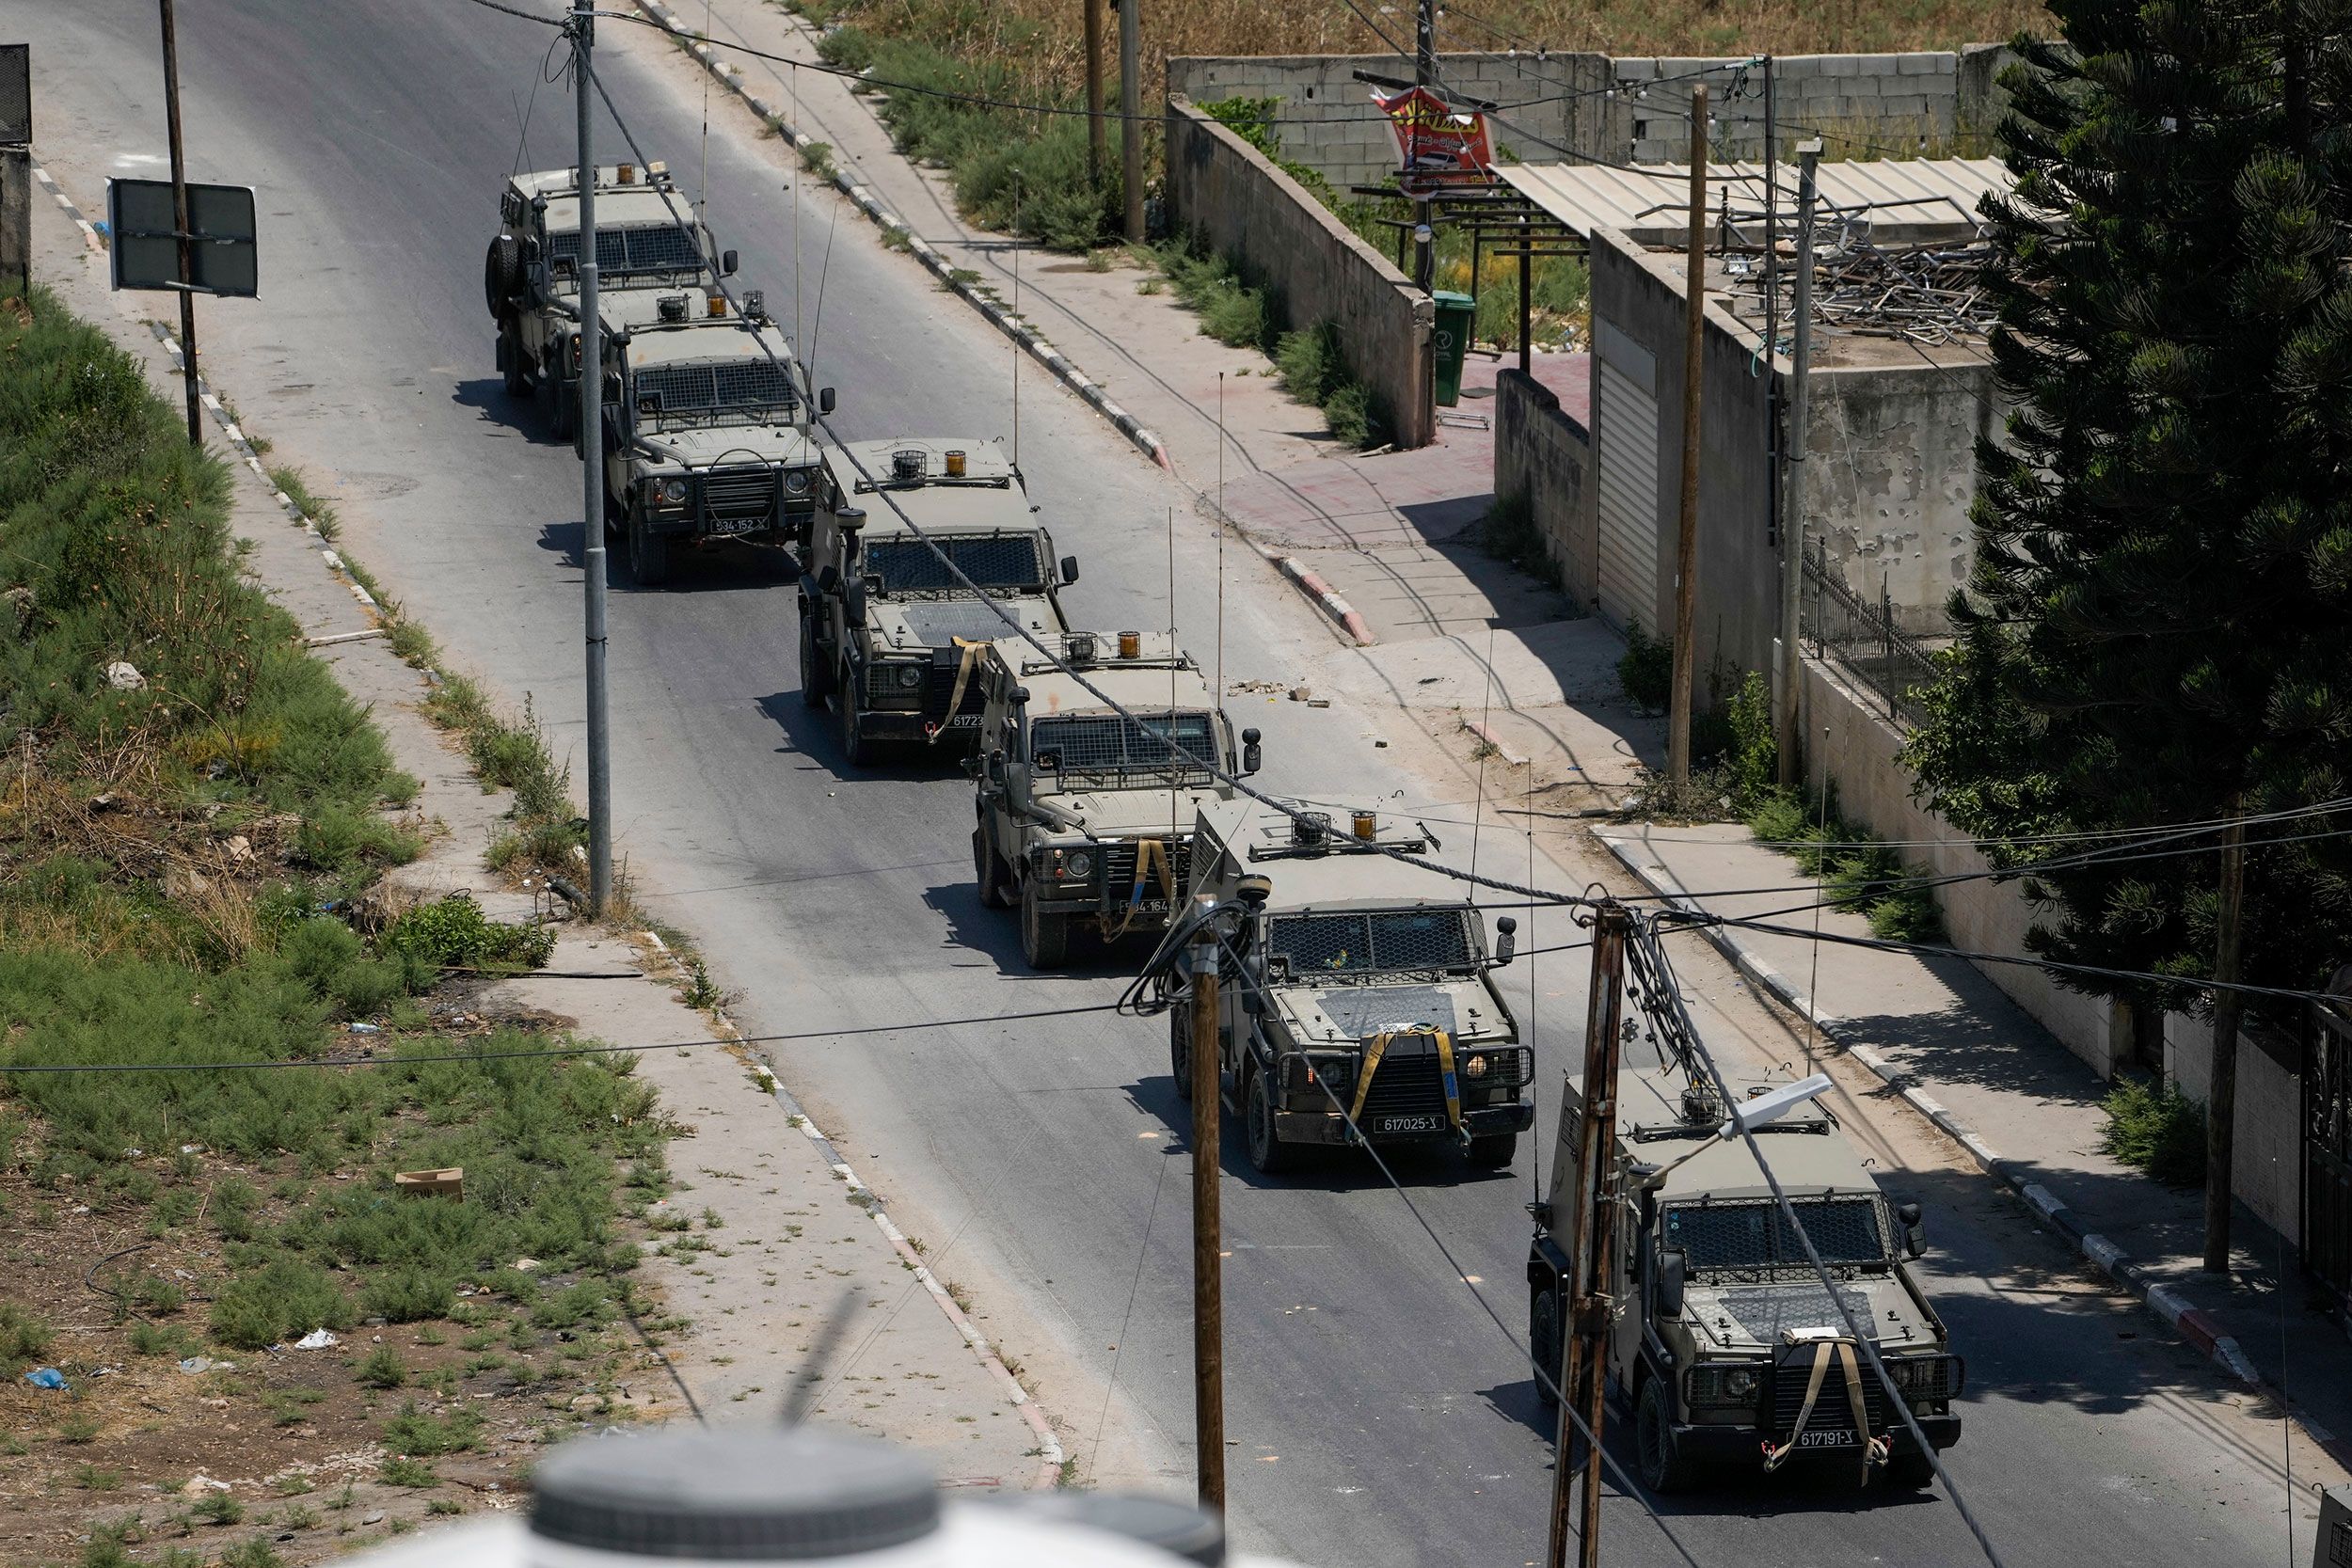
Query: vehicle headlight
pixel 1722 1385
pixel 796 481
pixel 672 491
pixel 910 676
pixel 1739 1384
pixel 1474 1068
pixel 1079 864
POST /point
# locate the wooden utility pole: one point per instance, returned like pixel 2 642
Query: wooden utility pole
pixel 1687 531
pixel 1425 75
pixel 179 223
pixel 2221 1096
pixel 1786 722
pixel 1131 112
pixel 1208 1257
pixel 1095 142
pixel 1583 1293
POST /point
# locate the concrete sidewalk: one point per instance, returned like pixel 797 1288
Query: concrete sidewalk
pixel 2025 1108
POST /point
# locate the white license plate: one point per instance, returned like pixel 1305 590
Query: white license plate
pixel 736 525
pixel 963 721
pixel 1409 1124
pixel 1826 1437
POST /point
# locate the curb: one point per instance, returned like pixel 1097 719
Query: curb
pixel 1015 327
pixel 1049 1448
pixel 1327 600
pixel 2191 1324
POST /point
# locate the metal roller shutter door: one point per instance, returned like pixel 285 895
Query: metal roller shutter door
pixel 1627 578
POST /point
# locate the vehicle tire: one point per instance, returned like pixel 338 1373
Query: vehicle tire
pixel 562 407
pixel 648 554
pixel 996 888
pixel 1664 1470
pixel 1269 1154
pixel 510 367
pixel 1495 1152
pixel 855 749
pixel 1180 1048
pixel 1544 1346
pixel 1044 938
pixel 1909 1471
pixel 816 673
pixel 501 275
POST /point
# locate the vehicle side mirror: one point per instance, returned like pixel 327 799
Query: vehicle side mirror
pixel 824 400
pixel 1016 784
pixel 1251 754
pixel 854 600
pixel 1915 1228
pixel 992 767
pixel 1068 568
pixel 611 427
pixel 727 263
pixel 1506 940
pixel 530 251
pixel 1673 1270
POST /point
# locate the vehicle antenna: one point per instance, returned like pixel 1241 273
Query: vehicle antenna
pixel 702 202
pixel 1016 316
pixel 1487 748
pixel 1172 807
pixel 1221 540
pixel 817 325
pixel 1534 996
pixel 798 342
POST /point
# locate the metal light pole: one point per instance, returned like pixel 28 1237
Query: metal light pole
pixel 1792 508
pixel 1208 1234
pixel 1131 112
pixel 592 553
pixel 179 223
pixel 1583 1292
pixel 1687 533
pixel 1425 75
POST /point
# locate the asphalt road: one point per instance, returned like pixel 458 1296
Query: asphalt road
pixel 1378 1416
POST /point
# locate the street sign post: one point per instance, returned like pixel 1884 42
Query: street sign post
pixel 144 241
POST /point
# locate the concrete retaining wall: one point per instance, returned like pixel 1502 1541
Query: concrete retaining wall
pixel 1546 456
pixel 1222 193
pixel 2266 1164
pixel 1635 110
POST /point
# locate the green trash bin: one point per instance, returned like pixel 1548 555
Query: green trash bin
pixel 1457 317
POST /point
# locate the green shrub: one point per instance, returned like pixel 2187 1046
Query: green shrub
pixel 1753 754
pixel 407 1295
pixel 25 1336
pixel 155 1339
pixel 404 1471
pixel 254 1553
pixel 1645 670
pixel 381 1367
pixel 455 933
pixel 1313 369
pixel 417 1436
pixel 284 1299
pixel 2157 1131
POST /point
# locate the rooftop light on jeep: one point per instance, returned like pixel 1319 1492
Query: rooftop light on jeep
pixel 908 463
pixel 718 305
pixel 955 465
pixel 673 307
pixel 1131 644
pixel 626 174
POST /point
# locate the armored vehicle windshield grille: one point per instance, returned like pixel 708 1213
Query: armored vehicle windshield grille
pixel 1734 1236
pixel 653 247
pixel 1405 1085
pixel 909 566
pixel 1119 868
pixel 1107 743
pixel 1792 1370
pixel 742 493
pixel 741 385
pixel 1375 940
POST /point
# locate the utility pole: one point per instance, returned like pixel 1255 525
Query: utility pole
pixel 1687 534
pixel 1131 112
pixel 1792 507
pixel 1426 76
pixel 1095 141
pixel 2221 1096
pixel 1583 1299
pixel 592 557
pixel 1771 288
pixel 179 223
pixel 1208 1233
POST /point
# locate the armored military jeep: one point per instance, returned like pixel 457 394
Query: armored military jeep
pixel 706 434
pixel 1724 1340
pixel 531 276
pixel 1360 1005
pixel 887 631
pixel 1084 816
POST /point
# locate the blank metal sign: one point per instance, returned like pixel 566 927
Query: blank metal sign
pixel 146 247
pixel 16 94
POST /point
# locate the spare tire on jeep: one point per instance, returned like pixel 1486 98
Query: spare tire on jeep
pixel 502 275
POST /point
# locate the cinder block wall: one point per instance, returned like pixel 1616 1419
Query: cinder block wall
pixel 2266 1161
pixel 1223 192
pixel 1546 456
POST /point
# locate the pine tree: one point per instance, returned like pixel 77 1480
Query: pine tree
pixel 2159 625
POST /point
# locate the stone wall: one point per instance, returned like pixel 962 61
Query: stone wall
pixel 1222 193
pixel 1890 473
pixel 2266 1161
pixel 1631 110
pixel 1544 455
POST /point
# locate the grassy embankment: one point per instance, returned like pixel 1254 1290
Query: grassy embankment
pixel 194 822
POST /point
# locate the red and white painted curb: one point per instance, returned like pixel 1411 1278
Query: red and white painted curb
pixel 1327 598
pixel 1015 327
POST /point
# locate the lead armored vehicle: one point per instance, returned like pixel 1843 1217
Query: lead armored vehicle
pixel 888 632
pixel 1725 1341
pixel 1360 1007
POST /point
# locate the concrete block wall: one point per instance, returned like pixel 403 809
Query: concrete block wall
pixel 1225 194
pixel 2266 1163
pixel 1890 473
pixel 1874 791
pixel 1544 454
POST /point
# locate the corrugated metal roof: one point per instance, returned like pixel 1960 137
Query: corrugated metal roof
pixel 1587 197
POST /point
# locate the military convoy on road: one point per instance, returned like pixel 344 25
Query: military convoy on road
pixel 1725 1340
pixel 887 630
pixel 1362 1006
pixel 1084 816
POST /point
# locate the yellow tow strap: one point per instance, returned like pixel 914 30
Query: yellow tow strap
pixel 1377 1047
pixel 965 666
pixel 1875 1449
pixel 1153 860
